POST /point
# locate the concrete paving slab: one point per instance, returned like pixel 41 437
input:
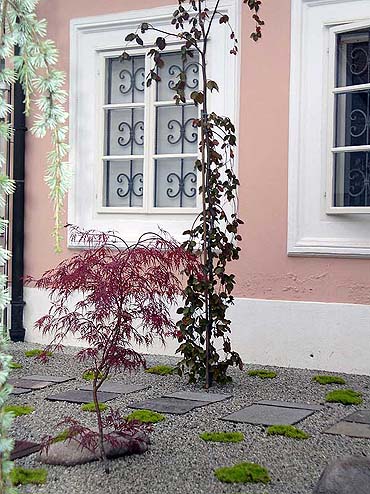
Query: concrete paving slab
pixel 168 405
pixel 268 415
pixel 78 396
pixel 117 387
pixel 198 396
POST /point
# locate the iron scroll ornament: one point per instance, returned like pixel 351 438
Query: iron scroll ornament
pixel 182 127
pixel 131 133
pixel 190 177
pixel 175 70
pixel 134 80
pixel 134 185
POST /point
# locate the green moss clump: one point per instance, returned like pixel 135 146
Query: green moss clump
pixel 16 365
pixel 36 352
pixel 19 410
pixel 324 379
pixel 344 396
pixel 90 374
pixel 222 437
pixel 24 476
pixel 63 436
pixel 262 373
pixel 161 370
pixel 90 407
pixel 287 431
pixel 243 473
pixel 146 416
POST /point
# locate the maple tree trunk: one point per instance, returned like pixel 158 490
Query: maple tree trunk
pixel 100 425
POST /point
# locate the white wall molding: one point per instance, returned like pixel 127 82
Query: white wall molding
pixel 311 231
pixel 313 335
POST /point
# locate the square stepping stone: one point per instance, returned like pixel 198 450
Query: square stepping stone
pixel 116 387
pixel 30 384
pixel 24 448
pixel 360 417
pixel 20 391
pixel 168 405
pixel 351 429
pixel 78 396
pixel 288 404
pixel 268 415
pixel 198 396
pixel 53 379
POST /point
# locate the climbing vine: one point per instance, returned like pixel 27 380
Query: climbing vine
pixel 34 68
pixel 214 234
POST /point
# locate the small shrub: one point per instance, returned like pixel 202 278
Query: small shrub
pixel 262 373
pixel 222 437
pixel 16 365
pixel 287 431
pixel 146 416
pixel 161 370
pixel 19 410
pixel 90 407
pixel 345 396
pixel 243 473
pixel 24 476
pixel 36 353
pixel 90 374
pixel 324 379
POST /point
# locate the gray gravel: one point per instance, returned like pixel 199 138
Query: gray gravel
pixel 178 462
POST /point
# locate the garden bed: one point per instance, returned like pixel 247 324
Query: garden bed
pixel 178 461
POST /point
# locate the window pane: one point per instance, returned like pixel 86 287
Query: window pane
pixel 124 132
pixel 175 131
pixel 125 80
pixel 169 75
pixel 352 179
pixel 353 119
pixel 123 183
pixel 353 58
pixel 175 183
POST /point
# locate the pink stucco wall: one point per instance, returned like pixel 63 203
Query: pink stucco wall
pixel 264 270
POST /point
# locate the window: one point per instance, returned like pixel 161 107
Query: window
pixel 351 146
pixel 150 143
pixel 132 149
pixel 329 146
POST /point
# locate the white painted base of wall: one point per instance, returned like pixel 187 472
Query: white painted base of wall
pixel 312 335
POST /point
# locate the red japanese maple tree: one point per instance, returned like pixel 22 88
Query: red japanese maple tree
pixel 113 296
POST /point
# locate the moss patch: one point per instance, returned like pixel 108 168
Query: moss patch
pixel 19 410
pixel 63 436
pixel 262 373
pixel 36 352
pixel 89 375
pixel 222 437
pixel 345 396
pixel 24 476
pixel 287 431
pixel 146 416
pixel 324 379
pixel 243 473
pixel 16 365
pixel 90 407
pixel 161 370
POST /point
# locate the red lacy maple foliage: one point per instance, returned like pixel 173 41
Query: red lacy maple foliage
pixel 112 295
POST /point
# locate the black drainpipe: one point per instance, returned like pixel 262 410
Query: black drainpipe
pixel 17 331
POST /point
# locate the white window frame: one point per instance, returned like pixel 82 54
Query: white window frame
pixel 333 91
pixel 315 227
pixel 92 40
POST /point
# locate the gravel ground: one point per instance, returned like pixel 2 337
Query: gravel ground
pixel 178 462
